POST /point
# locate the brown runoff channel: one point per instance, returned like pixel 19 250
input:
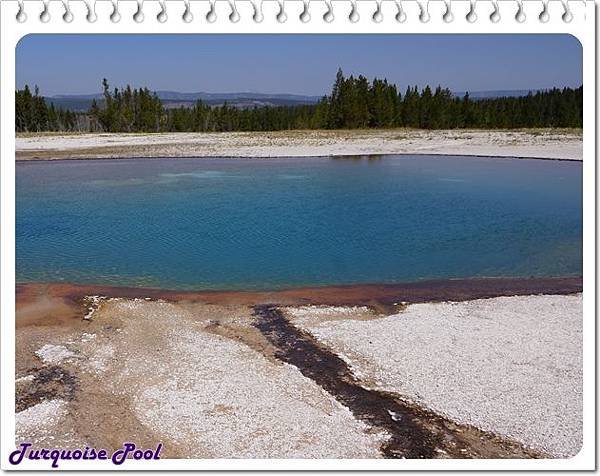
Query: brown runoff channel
pixel 414 432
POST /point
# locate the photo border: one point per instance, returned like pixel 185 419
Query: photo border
pixel 582 27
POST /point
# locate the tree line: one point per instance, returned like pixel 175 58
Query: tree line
pixel 354 102
pixel 33 114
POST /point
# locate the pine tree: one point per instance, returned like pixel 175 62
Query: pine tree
pixel 354 102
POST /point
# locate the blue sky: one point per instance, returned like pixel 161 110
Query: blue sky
pixel 299 64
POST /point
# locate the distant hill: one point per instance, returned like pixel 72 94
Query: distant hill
pixel 174 99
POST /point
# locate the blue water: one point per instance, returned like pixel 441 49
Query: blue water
pixel 256 223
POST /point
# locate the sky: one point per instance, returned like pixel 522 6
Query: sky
pixel 296 64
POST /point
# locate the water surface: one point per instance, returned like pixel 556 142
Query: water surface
pixel 276 223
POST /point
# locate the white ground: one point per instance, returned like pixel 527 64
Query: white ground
pixel 215 396
pixel 38 425
pixel 233 403
pixel 510 365
pixel 53 354
pixel 559 144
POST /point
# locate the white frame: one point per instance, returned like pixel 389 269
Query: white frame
pixel 582 27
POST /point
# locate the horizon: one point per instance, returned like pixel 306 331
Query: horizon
pixel 473 63
pixel 99 92
pixel 268 93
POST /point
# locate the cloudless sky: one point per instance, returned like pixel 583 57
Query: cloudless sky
pixel 299 64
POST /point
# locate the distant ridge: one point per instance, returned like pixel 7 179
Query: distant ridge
pixel 240 100
pixel 243 100
pixel 178 96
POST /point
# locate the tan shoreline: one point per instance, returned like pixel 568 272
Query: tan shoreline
pixel 565 144
pixel 67 298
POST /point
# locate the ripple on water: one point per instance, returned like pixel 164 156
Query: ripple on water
pixel 230 223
